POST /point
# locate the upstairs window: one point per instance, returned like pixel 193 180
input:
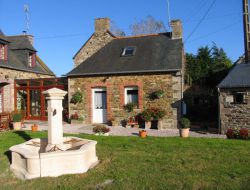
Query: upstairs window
pixel 128 51
pixel 131 95
pixel 3 52
pixel 32 59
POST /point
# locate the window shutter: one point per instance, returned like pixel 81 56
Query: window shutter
pixel 33 60
pixel 5 53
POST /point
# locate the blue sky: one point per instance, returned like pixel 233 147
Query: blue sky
pixel 61 27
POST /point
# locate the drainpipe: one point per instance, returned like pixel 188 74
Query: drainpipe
pixel 219 121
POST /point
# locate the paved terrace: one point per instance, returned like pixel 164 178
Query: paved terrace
pixel 120 131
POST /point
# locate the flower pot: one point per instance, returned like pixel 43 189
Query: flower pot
pixel 184 132
pixel 34 127
pixel 160 124
pixel 147 124
pixel 143 134
pixel 17 125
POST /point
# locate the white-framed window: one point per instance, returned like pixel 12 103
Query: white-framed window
pixel 131 95
pixel 31 59
pixel 129 51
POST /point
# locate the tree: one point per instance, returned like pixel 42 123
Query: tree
pixel 147 26
pixel 116 30
pixel 208 67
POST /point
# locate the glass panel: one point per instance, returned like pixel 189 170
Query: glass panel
pixel 100 100
pixel 132 96
pixel 35 83
pixel 21 100
pixel 21 83
pixel 35 103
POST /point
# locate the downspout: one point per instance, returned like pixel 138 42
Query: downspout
pixel 219 120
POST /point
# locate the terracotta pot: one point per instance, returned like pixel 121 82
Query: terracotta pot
pixel 17 125
pixel 34 127
pixel 184 132
pixel 147 124
pixel 160 124
pixel 143 134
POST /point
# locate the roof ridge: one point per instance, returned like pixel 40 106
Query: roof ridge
pixel 139 36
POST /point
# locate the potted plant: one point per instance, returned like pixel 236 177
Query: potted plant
pixel 147 117
pixel 143 133
pixel 157 115
pixel 157 94
pixel 17 121
pixel 34 127
pixel 101 130
pixel 129 107
pixel 113 122
pixel 76 98
pixel 184 127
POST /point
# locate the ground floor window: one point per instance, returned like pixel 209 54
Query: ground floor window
pixel 131 95
pixel 239 98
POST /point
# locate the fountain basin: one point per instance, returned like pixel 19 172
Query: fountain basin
pixel 30 159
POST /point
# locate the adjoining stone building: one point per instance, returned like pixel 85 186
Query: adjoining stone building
pixel 18 60
pixel 234 98
pixel 113 71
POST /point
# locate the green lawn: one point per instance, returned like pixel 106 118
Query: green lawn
pixel 151 163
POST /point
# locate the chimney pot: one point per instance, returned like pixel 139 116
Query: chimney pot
pixel 102 25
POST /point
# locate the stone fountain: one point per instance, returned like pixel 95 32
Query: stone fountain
pixel 55 155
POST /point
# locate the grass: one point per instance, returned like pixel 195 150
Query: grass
pixel 151 163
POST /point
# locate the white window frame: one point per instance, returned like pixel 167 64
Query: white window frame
pixel 126 93
pixel 126 48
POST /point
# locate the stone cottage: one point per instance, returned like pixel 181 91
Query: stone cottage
pixel 18 60
pixel 111 72
pixel 234 98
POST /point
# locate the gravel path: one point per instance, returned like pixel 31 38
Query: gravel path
pixel 121 131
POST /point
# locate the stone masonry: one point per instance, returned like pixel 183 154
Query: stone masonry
pixel 147 83
pixel 232 114
pixel 99 39
pixel 8 76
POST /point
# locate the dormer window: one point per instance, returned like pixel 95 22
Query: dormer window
pixel 128 51
pixel 32 59
pixel 3 52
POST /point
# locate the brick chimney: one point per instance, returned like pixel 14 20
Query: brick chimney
pixel 176 29
pixel 102 25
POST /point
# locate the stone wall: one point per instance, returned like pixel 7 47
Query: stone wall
pixel 169 83
pixel 95 43
pixel 7 77
pixel 234 114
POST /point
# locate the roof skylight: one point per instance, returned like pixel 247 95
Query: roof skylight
pixel 128 51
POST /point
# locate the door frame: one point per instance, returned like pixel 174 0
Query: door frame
pixel 93 90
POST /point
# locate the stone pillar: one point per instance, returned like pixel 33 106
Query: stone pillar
pixel 55 126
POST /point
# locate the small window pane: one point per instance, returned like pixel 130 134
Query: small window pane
pixel 128 51
pixel 239 98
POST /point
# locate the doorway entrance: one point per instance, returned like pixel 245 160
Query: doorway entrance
pixel 99 99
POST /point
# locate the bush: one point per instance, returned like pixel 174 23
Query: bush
pixel 244 133
pixel 74 116
pixel 100 129
pixel 185 123
pixel 146 115
pixel 152 114
pixel 17 117
pixel 234 133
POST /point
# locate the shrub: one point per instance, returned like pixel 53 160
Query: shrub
pixel 157 94
pixel 129 107
pixel 74 116
pixel 234 133
pixel 100 129
pixel 157 113
pixel 17 117
pixel 244 133
pixel 146 115
pixel 76 98
pixel 185 123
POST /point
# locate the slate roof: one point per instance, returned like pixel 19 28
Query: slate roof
pixel 18 47
pixel 154 53
pixel 238 77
